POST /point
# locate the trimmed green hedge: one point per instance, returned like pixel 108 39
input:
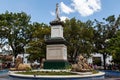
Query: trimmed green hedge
pixel 57 64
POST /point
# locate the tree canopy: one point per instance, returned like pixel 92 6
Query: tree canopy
pixel 79 36
pixel 114 47
pixel 84 38
pixel 14 26
pixel 37 46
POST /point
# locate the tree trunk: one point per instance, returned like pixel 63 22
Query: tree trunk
pixel 71 58
pixel 104 61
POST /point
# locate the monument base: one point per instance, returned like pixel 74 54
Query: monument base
pixel 55 64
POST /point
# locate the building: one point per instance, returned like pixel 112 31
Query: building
pixel 97 59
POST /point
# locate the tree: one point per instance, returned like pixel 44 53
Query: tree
pixel 37 46
pixel 114 47
pixel 3 31
pixel 15 25
pixel 79 36
pixel 103 32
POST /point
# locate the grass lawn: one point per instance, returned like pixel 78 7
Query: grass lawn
pixel 45 73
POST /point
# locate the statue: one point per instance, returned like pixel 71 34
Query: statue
pixel 57 13
pixel 81 65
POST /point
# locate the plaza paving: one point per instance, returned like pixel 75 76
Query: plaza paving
pixel 3 79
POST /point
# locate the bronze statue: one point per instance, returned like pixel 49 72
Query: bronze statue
pixel 57 13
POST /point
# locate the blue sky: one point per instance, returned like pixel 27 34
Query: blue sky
pixel 43 10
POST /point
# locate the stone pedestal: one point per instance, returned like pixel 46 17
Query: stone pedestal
pixel 56 50
pixel 56 54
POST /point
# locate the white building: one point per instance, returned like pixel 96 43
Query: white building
pixel 24 56
pixel 99 59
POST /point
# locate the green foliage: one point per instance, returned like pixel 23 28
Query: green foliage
pixel 79 36
pixel 15 28
pixel 94 71
pixel 69 67
pixel 104 31
pixel 28 69
pixel 17 31
pixel 114 47
pixel 37 46
pixel 14 25
pixel 46 73
pixel 97 61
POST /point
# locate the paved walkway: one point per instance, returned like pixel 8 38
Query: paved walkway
pixel 3 79
pixel 112 79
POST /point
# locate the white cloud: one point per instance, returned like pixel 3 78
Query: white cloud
pixel 86 7
pixel 83 7
pixel 63 18
pixel 65 8
pixel 52 13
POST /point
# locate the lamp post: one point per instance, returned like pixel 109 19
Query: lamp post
pixel 25 47
pixel 24 54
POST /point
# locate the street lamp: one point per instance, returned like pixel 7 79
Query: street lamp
pixel 24 54
pixel 25 47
